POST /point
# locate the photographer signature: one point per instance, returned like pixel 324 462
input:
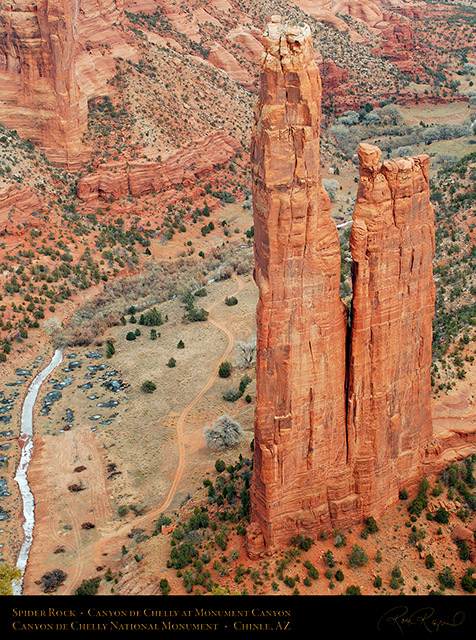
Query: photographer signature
pixel 401 618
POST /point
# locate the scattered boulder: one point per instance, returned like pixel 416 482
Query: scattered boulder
pixel 462 533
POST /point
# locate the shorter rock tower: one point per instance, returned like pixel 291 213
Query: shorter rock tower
pixel 392 244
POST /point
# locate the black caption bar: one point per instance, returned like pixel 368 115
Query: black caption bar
pixel 385 617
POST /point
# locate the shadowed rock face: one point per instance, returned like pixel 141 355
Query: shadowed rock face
pixel 300 439
pixel 392 244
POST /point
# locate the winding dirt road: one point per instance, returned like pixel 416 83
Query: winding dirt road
pixel 86 560
pixel 183 416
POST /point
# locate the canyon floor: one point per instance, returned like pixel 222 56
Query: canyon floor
pixel 147 452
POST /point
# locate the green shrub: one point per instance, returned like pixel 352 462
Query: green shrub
pixel 302 542
pixel 441 516
pixel 397 578
pixel 224 370
pixel 162 521
pixel 358 557
pixel 110 350
pixel 353 590
pixel 446 578
pixel 468 583
pixel 339 539
pixel 148 386
pixel 151 318
pixel 312 572
pixel 232 395
pixel 122 510
pixel 165 587
pixel 88 587
pixel 339 576
pixel 463 550
pixel 196 315
pixel 377 582
pixel 230 302
pixel 329 559
pixel 220 466
pixel 180 345
pixel 429 561
pixel 130 335
pixel 371 525
pixel 171 363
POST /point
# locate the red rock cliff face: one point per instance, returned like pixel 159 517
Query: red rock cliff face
pixel 392 244
pixel 39 92
pixel 299 481
pixel 117 179
pixel 46 73
pixel 19 209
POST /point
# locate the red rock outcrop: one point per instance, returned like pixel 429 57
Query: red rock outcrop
pixel 222 59
pixel 38 89
pixel 343 417
pixel 51 64
pixel 392 244
pixel 299 482
pixel 179 167
pixel 18 208
pixel 333 78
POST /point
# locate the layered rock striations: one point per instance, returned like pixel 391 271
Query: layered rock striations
pixel 392 245
pixel 299 481
pixel 184 166
pixel 342 417
pixel 19 209
pixel 51 64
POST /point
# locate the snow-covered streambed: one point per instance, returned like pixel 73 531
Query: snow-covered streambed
pixel 26 436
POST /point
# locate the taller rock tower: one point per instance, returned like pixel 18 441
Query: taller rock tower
pixel 300 479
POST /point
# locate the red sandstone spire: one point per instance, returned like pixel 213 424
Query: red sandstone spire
pixel 392 244
pixel 300 434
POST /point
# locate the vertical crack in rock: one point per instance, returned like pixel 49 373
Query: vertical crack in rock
pixel 343 408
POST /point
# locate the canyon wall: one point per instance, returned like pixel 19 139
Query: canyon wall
pixel 342 416
pixel 51 64
pixel 38 88
pixel 299 481
pixel 392 245
pixel 20 209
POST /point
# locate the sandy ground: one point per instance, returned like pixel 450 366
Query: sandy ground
pixel 152 440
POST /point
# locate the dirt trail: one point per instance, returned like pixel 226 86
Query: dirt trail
pixel 110 541
pixel 152 515
pixel 185 412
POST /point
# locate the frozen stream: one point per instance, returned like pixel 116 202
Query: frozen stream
pixel 26 436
